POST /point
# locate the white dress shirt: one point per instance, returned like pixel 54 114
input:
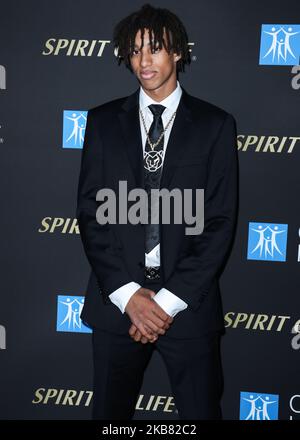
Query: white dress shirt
pixel 169 302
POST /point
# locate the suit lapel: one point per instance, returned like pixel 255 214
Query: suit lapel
pixel 177 140
pixel 130 127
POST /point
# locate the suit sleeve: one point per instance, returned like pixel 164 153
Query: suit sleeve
pixel 194 273
pixel 99 242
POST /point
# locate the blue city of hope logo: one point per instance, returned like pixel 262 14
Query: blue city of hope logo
pixel 280 44
pixel 68 314
pixel 74 124
pixel 259 406
pixel 267 241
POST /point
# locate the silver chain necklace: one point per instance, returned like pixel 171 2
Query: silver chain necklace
pixel 152 146
pixel 153 159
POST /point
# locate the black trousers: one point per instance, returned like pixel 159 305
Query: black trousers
pixel 193 366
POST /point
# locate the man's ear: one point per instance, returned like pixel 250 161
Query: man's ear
pixel 176 57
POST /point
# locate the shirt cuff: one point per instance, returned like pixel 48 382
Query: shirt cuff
pixel 122 295
pixel 169 302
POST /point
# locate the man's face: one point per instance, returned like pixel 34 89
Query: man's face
pixel 156 69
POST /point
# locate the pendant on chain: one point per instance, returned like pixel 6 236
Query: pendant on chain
pixel 153 160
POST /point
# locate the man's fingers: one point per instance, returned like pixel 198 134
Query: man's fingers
pixel 135 333
pixel 154 328
pixel 146 331
pixel 158 321
pixel 144 340
pixel 158 312
pixel 137 336
pixel 162 314
pixel 132 330
pixel 158 317
pixel 153 338
pixel 142 328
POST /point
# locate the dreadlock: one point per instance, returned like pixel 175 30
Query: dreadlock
pixel 154 19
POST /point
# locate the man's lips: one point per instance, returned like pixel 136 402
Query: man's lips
pixel 147 74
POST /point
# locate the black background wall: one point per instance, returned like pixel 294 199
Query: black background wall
pixel 41 366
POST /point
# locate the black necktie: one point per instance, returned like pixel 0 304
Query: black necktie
pixel 152 173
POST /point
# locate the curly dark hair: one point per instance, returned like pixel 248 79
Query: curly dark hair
pixel 156 20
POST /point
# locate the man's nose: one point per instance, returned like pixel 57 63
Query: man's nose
pixel 146 59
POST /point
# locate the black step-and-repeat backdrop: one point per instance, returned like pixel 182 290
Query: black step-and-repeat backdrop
pixel 56 62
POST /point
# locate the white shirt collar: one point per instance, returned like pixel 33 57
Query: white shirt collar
pixel 170 101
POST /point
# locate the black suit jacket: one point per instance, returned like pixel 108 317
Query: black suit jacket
pixel 201 153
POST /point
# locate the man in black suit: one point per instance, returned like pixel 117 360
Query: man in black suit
pixel 153 286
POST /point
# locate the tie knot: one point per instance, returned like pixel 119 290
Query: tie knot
pixel 157 110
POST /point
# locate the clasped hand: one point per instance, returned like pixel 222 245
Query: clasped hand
pixel 148 319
